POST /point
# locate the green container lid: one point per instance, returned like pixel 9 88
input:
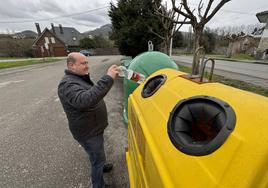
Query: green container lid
pixel 146 64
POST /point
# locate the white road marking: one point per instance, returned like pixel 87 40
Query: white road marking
pixel 3 84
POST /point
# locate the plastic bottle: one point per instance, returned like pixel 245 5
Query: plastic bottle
pixel 131 75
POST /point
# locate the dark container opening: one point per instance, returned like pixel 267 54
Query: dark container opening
pixel 200 125
pixel 152 85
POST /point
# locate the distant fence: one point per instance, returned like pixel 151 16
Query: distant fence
pixel 180 51
pixel 106 51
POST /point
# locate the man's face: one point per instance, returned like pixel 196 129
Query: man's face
pixel 80 67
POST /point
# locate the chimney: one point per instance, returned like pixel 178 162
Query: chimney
pixel 38 29
pixel 52 27
pixel 61 30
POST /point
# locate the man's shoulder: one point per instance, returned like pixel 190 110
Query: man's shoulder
pixel 69 79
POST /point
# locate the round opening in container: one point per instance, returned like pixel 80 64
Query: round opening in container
pixel 152 85
pixel 200 125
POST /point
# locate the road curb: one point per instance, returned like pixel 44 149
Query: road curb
pixel 253 62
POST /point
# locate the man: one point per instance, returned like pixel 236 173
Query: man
pixel 86 111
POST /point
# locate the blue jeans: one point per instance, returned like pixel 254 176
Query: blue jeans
pixel 95 149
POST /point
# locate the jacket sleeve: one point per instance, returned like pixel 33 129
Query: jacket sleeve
pixel 80 98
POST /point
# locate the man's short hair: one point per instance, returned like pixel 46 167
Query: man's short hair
pixel 71 59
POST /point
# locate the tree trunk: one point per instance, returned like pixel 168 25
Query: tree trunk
pixel 167 44
pixel 170 46
pixel 198 43
pixel 171 41
pixel 167 48
pixel 229 49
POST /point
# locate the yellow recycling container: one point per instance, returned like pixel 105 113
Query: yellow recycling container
pixel 183 134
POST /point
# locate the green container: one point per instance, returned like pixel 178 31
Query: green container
pixel 146 64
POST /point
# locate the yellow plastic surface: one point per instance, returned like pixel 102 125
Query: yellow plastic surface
pixel 153 161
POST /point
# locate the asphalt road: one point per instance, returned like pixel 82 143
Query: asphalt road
pixel 256 74
pixel 36 147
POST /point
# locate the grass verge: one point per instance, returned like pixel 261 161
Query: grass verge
pixel 236 57
pixel 234 83
pixel 9 58
pixel 4 65
pixel 244 58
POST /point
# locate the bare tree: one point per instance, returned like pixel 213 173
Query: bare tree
pixel 170 24
pixel 231 39
pixel 198 23
pixel 247 29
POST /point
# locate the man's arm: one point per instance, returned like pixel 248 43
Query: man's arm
pixel 80 98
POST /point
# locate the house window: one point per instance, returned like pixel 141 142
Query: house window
pixel 52 40
pixel 74 38
pixel 46 39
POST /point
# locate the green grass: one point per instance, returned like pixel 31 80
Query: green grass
pixel 230 82
pixel 4 65
pixel 241 85
pixel 242 57
pixel 184 69
pixel 10 58
pixel 236 57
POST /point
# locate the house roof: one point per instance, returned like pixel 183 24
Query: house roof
pixel 70 35
pixel 262 16
pixel 41 35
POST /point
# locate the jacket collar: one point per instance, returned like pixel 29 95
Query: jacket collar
pixel 86 77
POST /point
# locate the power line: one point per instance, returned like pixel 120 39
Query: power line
pixel 237 12
pixel 63 16
pixel 231 11
pixel 92 10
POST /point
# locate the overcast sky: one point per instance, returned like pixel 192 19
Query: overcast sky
pixel 84 15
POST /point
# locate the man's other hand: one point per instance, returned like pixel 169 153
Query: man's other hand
pixel 113 71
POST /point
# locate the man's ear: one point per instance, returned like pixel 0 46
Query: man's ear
pixel 69 65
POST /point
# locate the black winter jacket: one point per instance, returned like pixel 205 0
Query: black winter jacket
pixel 83 104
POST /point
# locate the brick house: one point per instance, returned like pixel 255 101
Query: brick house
pixel 69 35
pixel 57 41
pixel 47 44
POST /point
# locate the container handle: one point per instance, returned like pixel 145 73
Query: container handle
pixel 211 70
